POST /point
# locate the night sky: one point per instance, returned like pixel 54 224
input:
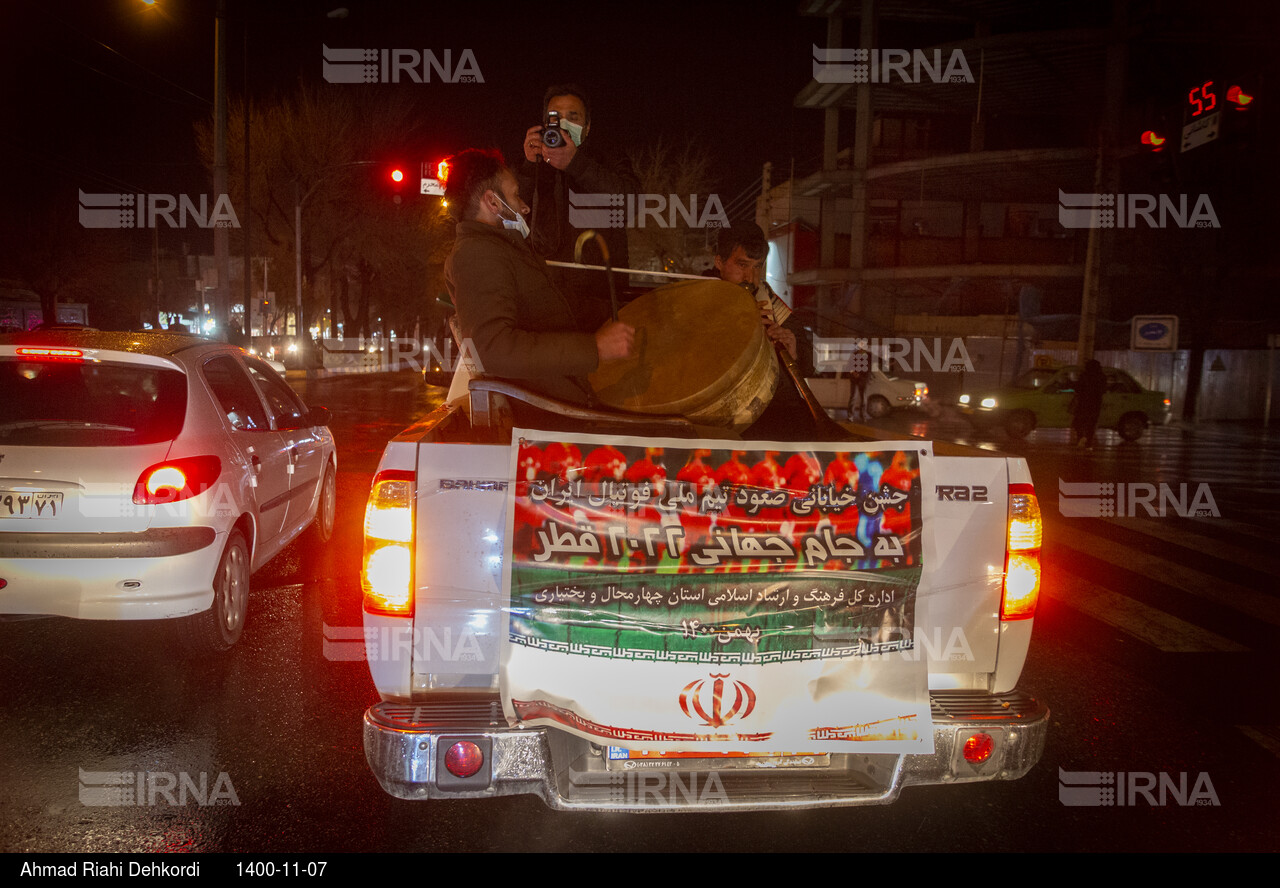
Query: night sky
pixel 102 95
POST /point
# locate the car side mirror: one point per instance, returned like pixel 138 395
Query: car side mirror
pixel 318 416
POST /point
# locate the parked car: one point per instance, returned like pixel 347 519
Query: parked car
pixel 145 476
pixel 275 365
pixel 884 393
pixel 1041 399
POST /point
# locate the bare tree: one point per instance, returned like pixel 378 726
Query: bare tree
pixel 320 148
pixel 681 172
pixel 56 257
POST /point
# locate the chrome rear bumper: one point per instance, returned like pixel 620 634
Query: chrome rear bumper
pixel 405 745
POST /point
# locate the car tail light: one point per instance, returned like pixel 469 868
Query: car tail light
pixel 48 353
pixel 1022 555
pixel 176 479
pixel 386 574
pixel 978 748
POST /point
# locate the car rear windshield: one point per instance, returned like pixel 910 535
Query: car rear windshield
pixel 86 404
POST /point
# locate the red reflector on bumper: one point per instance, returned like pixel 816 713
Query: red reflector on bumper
pixel 463 759
pixel 978 748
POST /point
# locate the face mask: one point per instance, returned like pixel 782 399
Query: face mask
pixel 516 224
pixel 573 130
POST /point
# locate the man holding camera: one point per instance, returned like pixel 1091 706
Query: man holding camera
pixel 520 324
pixel 557 166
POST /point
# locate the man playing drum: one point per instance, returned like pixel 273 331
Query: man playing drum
pixel 739 259
pixel 520 325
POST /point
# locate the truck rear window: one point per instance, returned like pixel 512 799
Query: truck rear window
pixel 86 404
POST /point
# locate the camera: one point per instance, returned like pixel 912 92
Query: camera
pixel 552 135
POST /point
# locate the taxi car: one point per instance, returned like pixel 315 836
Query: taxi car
pixel 146 476
pixel 1041 399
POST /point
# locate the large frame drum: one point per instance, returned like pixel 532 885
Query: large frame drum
pixel 701 352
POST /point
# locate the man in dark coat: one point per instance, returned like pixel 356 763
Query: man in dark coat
pixel 519 324
pixel 1086 406
pixel 550 180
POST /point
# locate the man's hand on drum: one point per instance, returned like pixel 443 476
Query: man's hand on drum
pixel 615 341
pixel 533 144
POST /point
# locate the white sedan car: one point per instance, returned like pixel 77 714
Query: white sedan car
pixel 146 475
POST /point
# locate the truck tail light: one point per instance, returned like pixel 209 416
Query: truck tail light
pixel 386 574
pixel 176 479
pixel 1022 555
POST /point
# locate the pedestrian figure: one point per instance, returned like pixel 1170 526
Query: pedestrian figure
pixel 858 380
pixel 1087 404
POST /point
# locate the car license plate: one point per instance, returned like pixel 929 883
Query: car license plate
pixel 29 504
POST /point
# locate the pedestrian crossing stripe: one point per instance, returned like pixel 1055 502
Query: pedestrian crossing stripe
pixel 1151 625
pixel 1258 605
pixel 1175 533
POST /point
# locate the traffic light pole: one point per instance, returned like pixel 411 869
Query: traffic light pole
pixel 1104 181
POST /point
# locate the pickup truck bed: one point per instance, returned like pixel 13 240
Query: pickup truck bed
pixel 439 512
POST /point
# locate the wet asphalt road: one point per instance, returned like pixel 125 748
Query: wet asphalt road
pixel 274 726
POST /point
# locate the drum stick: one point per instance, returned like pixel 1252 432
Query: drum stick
pixel 590 234
pixel 816 410
pixel 667 274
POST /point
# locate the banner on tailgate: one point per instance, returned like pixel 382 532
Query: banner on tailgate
pixel 682 596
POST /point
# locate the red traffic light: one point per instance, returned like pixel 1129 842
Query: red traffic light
pixel 397 175
pixel 1238 97
pixel 1151 138
pixel 442 173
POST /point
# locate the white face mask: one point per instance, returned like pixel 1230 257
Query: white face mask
pixel 574 131
pixel 516 224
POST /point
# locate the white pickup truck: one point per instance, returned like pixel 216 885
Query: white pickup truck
pixel 500 591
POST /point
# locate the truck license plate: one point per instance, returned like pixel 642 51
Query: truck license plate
pixel 617 758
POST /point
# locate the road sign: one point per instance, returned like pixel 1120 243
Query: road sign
pixel 1201 131
pixel 1154 333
